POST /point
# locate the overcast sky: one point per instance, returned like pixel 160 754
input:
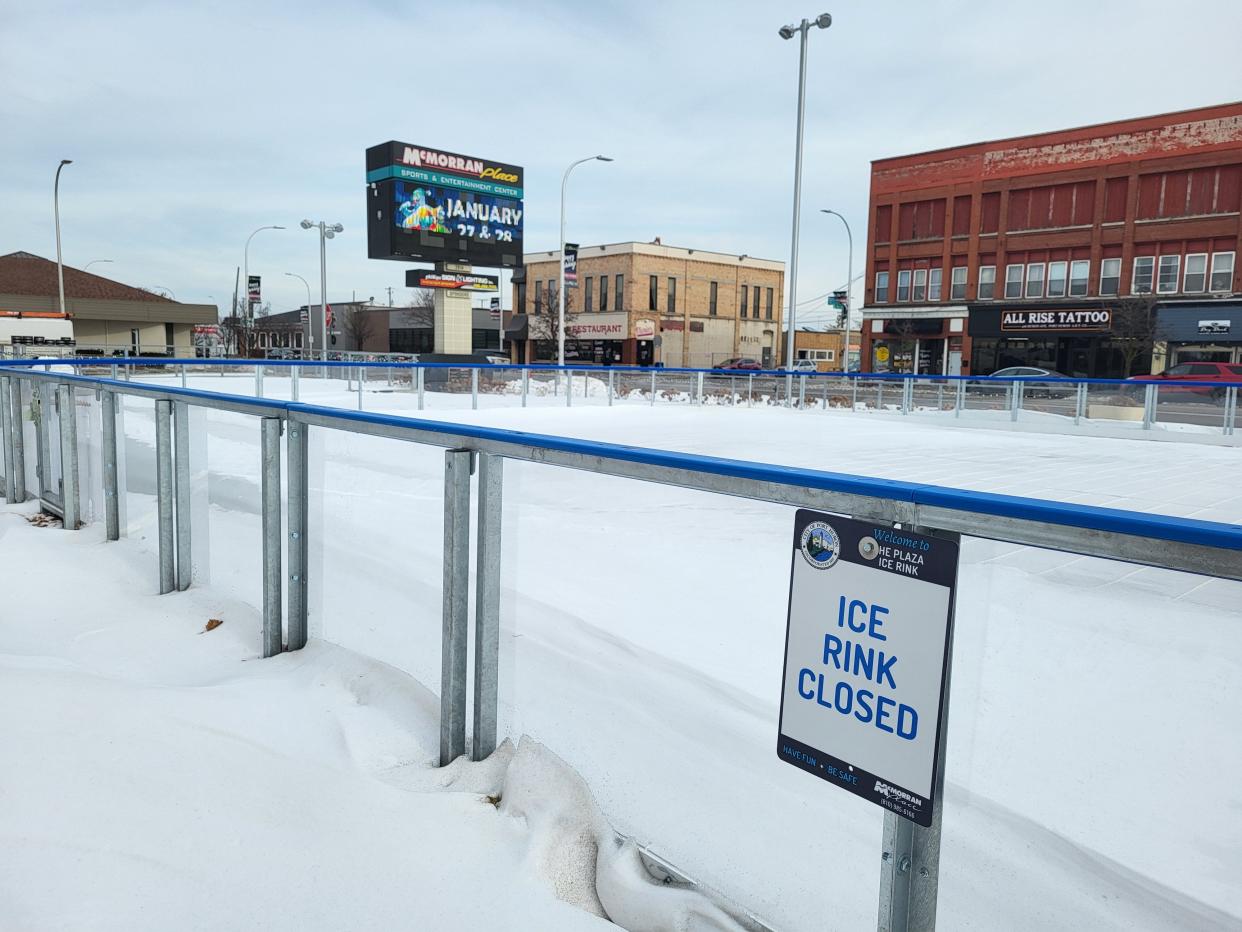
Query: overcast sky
pixel 191 125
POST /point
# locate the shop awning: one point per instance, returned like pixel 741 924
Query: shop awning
pixel 519 328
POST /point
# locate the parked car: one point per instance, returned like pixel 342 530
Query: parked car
pixel 804 365
pixel 739 362
pixel 1181 378
pixel 1034 373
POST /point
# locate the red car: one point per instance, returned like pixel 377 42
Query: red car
pixel 739 362
pixel 1191 372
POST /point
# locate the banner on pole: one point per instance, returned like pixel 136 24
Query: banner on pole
pixel 571 265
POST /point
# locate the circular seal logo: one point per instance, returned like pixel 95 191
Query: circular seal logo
pixel 820 545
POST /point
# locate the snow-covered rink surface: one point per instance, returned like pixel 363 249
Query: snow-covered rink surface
pixel 156 777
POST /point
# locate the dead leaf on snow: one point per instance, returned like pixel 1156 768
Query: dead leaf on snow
pixel 212 624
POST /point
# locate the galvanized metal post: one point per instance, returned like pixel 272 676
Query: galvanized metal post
pixel 487 606
pixel 181 465
pixel 6 428
pixel 69 458
pixel 360 370
pixel 422 388
pixel 854 394
pixel 164 494
pixel 610 383
pixel 959 398
pixel 1080 403
pixel 456 605
pixel 1231 409
pixel 698 388
pixel 1149 405
pixel 18 427
pixel 112 507
pixel 750 391
pixel 802 391
pixel 910 856
pixel 1019 389
pixel 112 370
pixel 297 515
pixel 569 388
pixel 653 377
pixel 258 381
pixel 294 374
pixel 907 389
pixel 270 487
pixel 525 385
pixel 825 394
pixel 474 389
pixel 789 387
pixel 183 385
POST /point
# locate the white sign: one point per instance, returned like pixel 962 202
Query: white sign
pixel 865 657
pixel 644 329
pixel 1214 326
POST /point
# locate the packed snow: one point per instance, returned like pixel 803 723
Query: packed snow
pixel 642 638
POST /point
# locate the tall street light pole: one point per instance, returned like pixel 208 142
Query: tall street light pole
pixel 60 266
pixel 326 232
pixel 246 269
pixel 560 326
pixel 823 21
pixel 849 284
pixel 310 331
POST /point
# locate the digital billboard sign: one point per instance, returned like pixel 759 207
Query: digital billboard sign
pixel 433 206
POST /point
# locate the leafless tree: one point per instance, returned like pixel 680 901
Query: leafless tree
pixel 358 325
pixel 1135 328
pixel 545 323
pixel 423 307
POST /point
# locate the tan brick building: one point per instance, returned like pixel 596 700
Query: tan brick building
pixel 821 347
pixel 651 304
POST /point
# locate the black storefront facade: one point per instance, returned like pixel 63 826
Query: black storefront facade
pixel 1201 331
pixel 1076 339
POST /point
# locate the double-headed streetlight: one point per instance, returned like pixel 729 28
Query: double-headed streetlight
pixel 60 266
pixel 849 284
pixel 560 325
pixel 823 21
pixel 326 232
pixel 310 330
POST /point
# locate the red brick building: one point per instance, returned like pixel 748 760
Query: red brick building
pixel 1016 252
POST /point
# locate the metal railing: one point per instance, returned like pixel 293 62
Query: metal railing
pixel 1198 410
pixel 476 455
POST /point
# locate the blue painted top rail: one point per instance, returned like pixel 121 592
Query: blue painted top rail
pixel 162 361
pixel 1086 517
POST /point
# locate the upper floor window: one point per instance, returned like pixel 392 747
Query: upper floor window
pixel 1222 272
pixel 1013 280
pixel 521 297
pixel 538 297
pixel 1110 276
pixel 711 301
pixel 1166 281
pixel 603 292
pixel 957 283
pixel 881 291
pixel 588 303
pixel 745 290
pixel 653 293
pixel 755 303
pixel 903 285
pixel 1196 272
pixel 1144 269
pixel 933 284
pixel 768 308
pixel 672 295
pixel 920 285
pixel 620 292
pixel 1080 271
pixel 1056 279
pixel 987 282
pixel 1035 280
